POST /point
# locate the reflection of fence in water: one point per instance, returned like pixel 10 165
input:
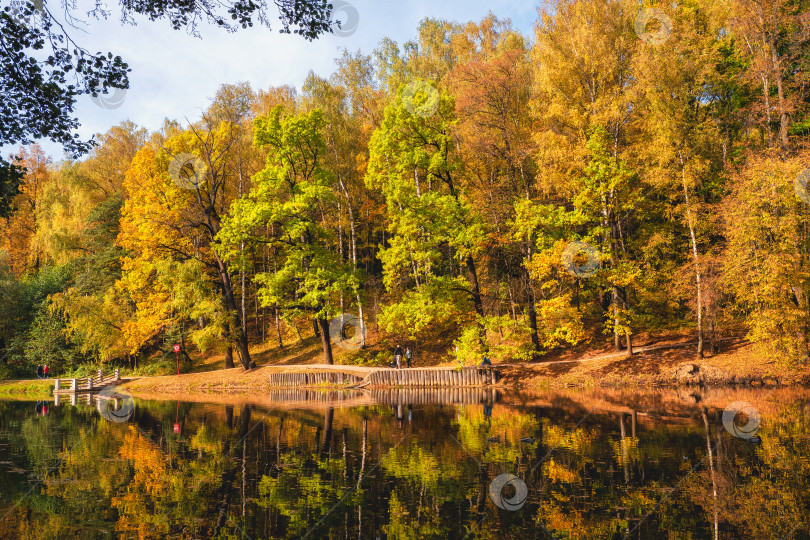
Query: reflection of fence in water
pixel 425 396
pixel 387 396
pixel 303 395
pixel 448 377
pixel 89 399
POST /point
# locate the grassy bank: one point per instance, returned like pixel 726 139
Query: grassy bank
pixel 37 389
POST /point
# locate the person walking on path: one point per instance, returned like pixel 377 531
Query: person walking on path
pixel 398 356
pixel 40 371
pixel 408 356
pixel 485 361
pixel 45 371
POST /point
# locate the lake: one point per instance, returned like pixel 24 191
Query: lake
pixel 423 464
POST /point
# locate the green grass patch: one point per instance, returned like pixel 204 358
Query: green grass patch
pixel 40 389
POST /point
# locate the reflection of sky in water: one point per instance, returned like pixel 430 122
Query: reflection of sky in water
pixel 593 467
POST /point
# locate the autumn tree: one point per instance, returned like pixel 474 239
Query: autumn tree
pixel 684 145
pixel 765 264
pixel 492 89
pixel 291 208
pixel 347 157
pixel 583 85
pixel 19 227
pixel 773 37
pixel 436 234
pixel 172 215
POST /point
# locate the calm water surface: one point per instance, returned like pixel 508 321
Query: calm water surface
pixel 410 466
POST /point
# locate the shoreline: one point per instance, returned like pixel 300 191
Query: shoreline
pixel 652 404
pixel 667 365
pixel 682 404
pixel 158 390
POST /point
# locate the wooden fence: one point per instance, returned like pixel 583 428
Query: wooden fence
pixel 312 379
pixel 86 384
pixel 407 378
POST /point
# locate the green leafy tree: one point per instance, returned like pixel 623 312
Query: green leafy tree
pixel 435 232
pixel 291 208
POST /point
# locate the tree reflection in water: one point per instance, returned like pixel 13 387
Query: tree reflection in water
pixel 418 471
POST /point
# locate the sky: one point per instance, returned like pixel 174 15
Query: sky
pixel 175 75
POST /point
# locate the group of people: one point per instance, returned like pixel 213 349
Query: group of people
pixel 397 363
pixel 42 371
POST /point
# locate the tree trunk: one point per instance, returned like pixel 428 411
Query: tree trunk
pixel 766 91
pixel 230 300
pixel 532 308
pixel 353 238
pixel 696 259
pixel 629 339
pixel 297 331
pixel 243 293
pixel 476 294
pixel 326 341
pixel 617 339
pixel 278 329
pixel 511 300
pixel 226 333
pixel 362 321
pixel 357 292
pixel 529 287
pixel 259 318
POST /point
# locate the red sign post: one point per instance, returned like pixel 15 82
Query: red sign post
pixel 177 355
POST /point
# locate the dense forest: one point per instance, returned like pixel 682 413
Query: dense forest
pixel 623 170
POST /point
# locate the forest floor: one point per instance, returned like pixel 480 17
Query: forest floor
pixel 669 363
